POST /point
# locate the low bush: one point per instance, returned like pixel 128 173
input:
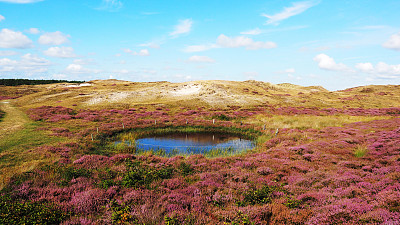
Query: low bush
pixel 2 113
pixel 262 195
pixel 18 212
pixel 139 175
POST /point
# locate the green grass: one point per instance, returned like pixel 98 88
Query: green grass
pixel 18 150
pixel 360 151
pixel 309 121
pixel 27 138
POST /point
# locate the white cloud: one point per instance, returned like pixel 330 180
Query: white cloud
pixel 183 77
pixel 21 1
pixel 372 27
pixel 201 59
pixel 393 42
pixel 295 9
pixel 365 67
pixel 183 27
pixel 327 63
pixel 8 53
pixel 83 61
pixel 290 70
pixel 127 50
pixel 76 68
pixel 14 39
pixel 232 42
pixel 28 63
pixel 149 71
pixel 252 32
pixel 60 52
pixel 54 38
pixel 110 5
pixel 381 70
pixel 200 48
pixel 150 45
pixel 2 18
pixel 33 31
pixel 123 71
pixel 8 65
pixel 242 41
pixel 143 52
pixel 59 76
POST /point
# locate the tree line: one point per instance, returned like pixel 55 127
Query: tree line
pixel 16 82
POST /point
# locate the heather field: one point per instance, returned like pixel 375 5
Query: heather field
pixel 332 159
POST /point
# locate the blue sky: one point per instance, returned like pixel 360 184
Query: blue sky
pixel 335 44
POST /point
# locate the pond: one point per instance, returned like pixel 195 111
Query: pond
pixel 193 143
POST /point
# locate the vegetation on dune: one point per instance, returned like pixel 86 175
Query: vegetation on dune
pixel 16 82
pixel 2 113
pixel 322 166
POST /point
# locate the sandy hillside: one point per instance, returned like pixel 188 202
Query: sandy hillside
pixel 212 93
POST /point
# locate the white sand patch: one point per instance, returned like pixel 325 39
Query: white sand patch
pixel 79 85
pixel 112 97
pixel 187 90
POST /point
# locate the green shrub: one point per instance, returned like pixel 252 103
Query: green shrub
pixel 171 220
pixel 107 178
pixel 222 117
pixel 293 203
pixel 142 175
pixel 15 212
pixel 2 113
pixel 263 195
pixel 68 173
pixel 121 214
pixel 186 169
pixel 239 219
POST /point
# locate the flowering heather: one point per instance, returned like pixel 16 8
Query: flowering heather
pixel 294 176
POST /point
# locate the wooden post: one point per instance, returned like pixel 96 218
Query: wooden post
pixel 213 121
pixel 92 137
pixel 97 130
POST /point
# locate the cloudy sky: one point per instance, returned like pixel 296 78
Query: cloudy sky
pixel 335 44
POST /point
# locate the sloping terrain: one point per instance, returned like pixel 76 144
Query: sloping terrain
pixel 321 157
pixel 214 93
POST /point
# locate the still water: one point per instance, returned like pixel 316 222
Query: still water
pixel 195 143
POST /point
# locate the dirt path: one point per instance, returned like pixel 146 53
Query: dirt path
pixel 13 120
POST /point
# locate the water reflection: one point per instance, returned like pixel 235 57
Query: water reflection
pixel 194 143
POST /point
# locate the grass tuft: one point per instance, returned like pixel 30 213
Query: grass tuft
pixel 360 151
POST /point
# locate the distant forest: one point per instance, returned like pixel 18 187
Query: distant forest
pixel 16 82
